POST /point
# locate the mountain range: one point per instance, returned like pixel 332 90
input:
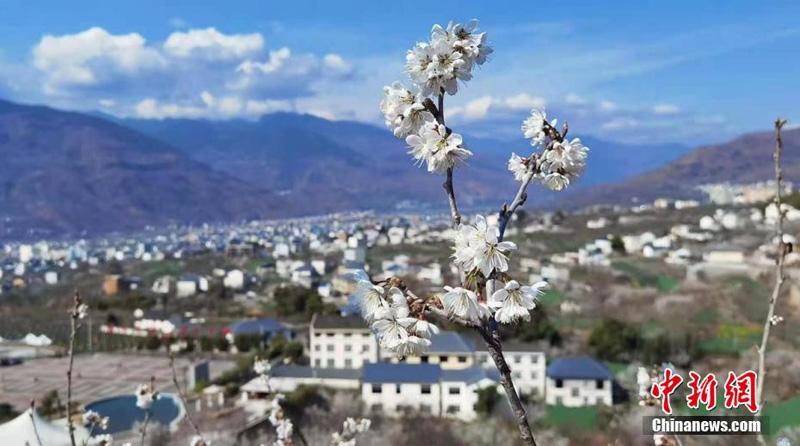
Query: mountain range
pixel 72 173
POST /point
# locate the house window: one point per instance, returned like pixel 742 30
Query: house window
pixel 442 358
pixel 599 383
pixel 533 375
pixel 517 375
pixel 316 335
pixel 462 359
pixel 535 359
pixel 364 348
pixel 397 388
pixel 425 408
pixel 317 347
pixel 347 335
pixel 575 392
pixel 348 348
pixel 517 359
pixel 330 347
pixel 426 389
pixel 454 390
pixel 318 362
pixel 376 388
pixel 330 363
pixel 348 363
pixel 559 383
pixel 377 408
pixel 452 409
pixel 424 359
pixel 330 335
pixel 366 335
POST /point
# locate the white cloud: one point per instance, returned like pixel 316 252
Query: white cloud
pixel 335 62
pixel 574 99
pixel 178 22
pixel 666 109
pixel 210 107
pixel 607 106
pixel 275 62
pixel 210 44
pixel 621 123
pixel 92 57
pixel 523 101
pixel 477 108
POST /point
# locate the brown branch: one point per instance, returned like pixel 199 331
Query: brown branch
pixel 180 394
pixel 779 273
pixel 33 422
pixel 74 326
pixel 493 345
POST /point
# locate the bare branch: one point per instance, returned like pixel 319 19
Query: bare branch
pixel 779 273
pixel 181 395
pixel 74 326
pixel 33 422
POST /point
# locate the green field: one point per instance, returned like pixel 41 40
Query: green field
pixel 582 418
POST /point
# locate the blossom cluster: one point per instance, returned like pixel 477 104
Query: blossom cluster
pixel 283 425
pixel 562 160
pixel 435 67
pixel 93 418
pixel 350 430
pixel 145 396
pixel 106 440
pixel 386 309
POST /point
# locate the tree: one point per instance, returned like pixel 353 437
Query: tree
pixel 294 300
pixel 614 340
pixel 487 398
pixel 539 328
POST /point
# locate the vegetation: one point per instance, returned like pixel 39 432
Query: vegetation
pixel 614 340
pixel 487 399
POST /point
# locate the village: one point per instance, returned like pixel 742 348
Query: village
pixel 678 281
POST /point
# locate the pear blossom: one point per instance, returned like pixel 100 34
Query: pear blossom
pixel 534 127
pixel 514 302
pixel 198 441
pixel 518 167
pixel 145 396
pixel 261 366
pixel 478 247
pixel 567 156
pixel 463 303
pixel 371 301
pixel 403 110
pixel 391 333
pixel 94 418
pixel 104 440
pixel 83 311
pixel 438 149
pixel 555 181
pixel 419 327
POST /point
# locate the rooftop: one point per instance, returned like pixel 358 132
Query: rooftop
pixel 297 371
pixel 450 342
pixel 580 367
pixel 258 326
pixel 334 322
pixel 384 372
pixel 470 375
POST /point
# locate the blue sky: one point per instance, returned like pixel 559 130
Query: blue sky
pixel 678 71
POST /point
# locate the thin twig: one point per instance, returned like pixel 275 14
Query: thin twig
pixel 779 274
pixel 180 394
pixel 147 415
pixel 33 422
pixel 74 326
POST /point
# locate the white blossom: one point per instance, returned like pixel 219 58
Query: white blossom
pixel 534 127
pixel 145 396
pixel 555 181
pixel 83 311
pixel 391 333
pixel 403 110
pixel 438 149
pixel 350 429
pixel 104 440
pixel 94 418
pixel 371 300
pixel 419 327
pixel 463 303
pixel 198 441
pixel 518 167
pixel 477 247
pixel 775 319
pixel 514 302
pixel 411 345
pixel 261 366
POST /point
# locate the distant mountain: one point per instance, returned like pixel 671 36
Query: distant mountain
pixel 344 165
pixel 69 172
pixel 744 160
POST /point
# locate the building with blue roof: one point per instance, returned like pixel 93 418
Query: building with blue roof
pixel 269 328
pixel 578 381
pixel 399 389
pixel 449 349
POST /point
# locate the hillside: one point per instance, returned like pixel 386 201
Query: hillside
pixel 744 160
pixel 69 172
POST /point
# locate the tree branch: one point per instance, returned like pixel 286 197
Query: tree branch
pixel 33 422
pixel 783 248
pixel 519 200
pixel 74 326
pixel 180 394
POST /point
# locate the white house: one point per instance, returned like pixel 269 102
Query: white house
pixel 526 361
pixel 577 382
pixel 341 342
pixel 287 378
pixel 448 349
pixel 398 389
pixel 234 279
pixel 51 277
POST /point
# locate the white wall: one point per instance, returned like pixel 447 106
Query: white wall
pixel 410 395
pixel 342 348
pixel 578 393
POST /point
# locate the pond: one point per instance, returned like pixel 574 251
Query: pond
pixel 123 414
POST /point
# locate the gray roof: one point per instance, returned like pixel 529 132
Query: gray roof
pixel 451 342
pixel 333 321
pixel 297 371
pixel 580 367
